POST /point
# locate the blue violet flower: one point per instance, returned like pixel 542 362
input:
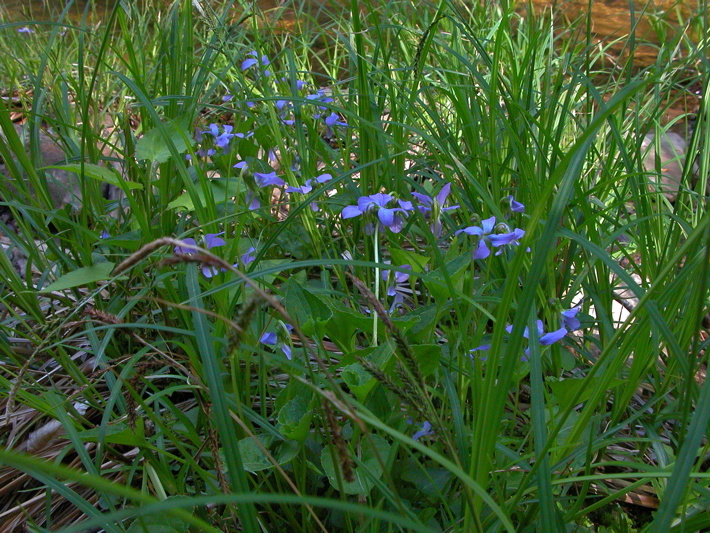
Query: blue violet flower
pixel 570 320
pixel 254 60
pixel 212 240
pixel 390 217
pixel 485 234
pixel 515 206
pixel 432 208
pixel 396 285
pixel 271 338
pixel 426 429
pixel 265 179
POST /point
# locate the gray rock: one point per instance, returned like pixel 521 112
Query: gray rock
pixel 671 158
pixel 64 187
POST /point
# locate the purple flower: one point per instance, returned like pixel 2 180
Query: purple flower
pixel 482 231
pixel 25 29
pixel 501 239
pixel 254 60
pixel 105 234
pixel 433 207
pixel 303 189
pixel 334 120
pixel 272 339
pixel 544 339
pixel 515 206
pixel 398 278
pixel 481 348
pixel 223 139
pixel 396 285
pixel 241 165
pixel 212 240
pixel 320 96
pixel 206 152
pixel 424 431
pixel 252 201
pixel 552 337
pixel 248 257
pixel 222 136
pixel 213 129
pixel 427 203
pixel 268 338
pixel 323 178
pixel 484 347
pixel 300 84
pixel 570 320
pixel 308 187
pixel 331 121
pixel 485 233
pixel 266 179
pixel 391 217
pixel 210 271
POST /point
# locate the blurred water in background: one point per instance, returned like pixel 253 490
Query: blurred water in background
pixel 612 22
pixel 611 19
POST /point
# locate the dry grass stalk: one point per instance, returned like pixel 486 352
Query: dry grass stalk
pixel 336 436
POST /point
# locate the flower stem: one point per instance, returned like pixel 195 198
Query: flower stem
pixel 377 283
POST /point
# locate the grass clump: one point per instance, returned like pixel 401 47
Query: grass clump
pixel 375 286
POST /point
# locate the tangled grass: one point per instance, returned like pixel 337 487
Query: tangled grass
pixel 373 286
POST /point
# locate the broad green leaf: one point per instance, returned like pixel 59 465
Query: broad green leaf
pixel 223 190
pixel 295 240
pixel 81 276
pixel 154 146
pixel 267 264
pixel 355 375
pixel 344 324
pixel 254 457
pixel 116 434
pixel 364 474
pixel 565 391
pixel 420 324
pixel 401 256
pixel 428 357
pixel 552 413
pixel 358 380
pixel 405 322
pixel 161 523
pixel 131 240
pixel 307 309
pixel 432 481
pixel 436 280
pixel 100 173
pixel 295 415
